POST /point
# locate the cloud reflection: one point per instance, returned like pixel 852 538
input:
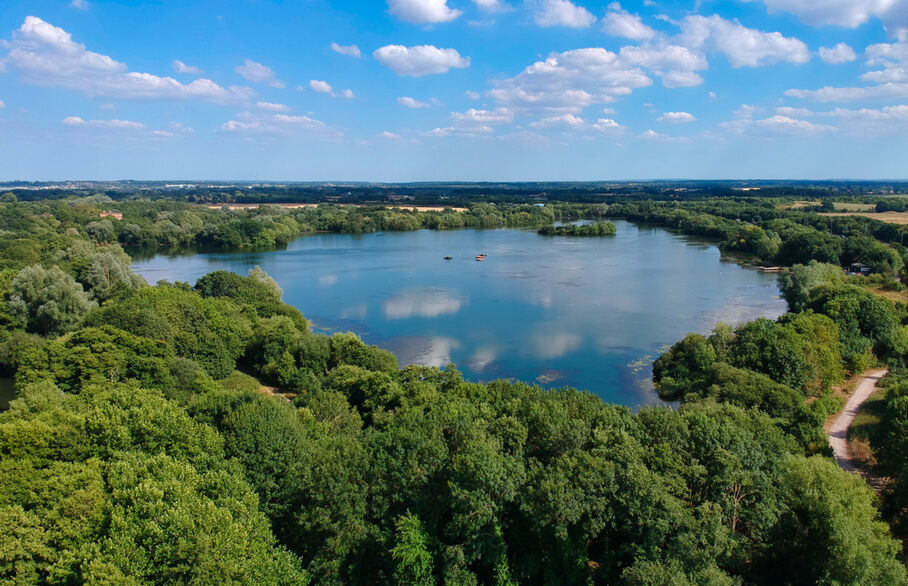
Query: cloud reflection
pixel 426 351
pixel 327 280
pixel 554 345
pixel 481 359
pixel 423 303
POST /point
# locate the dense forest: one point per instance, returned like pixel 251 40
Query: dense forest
pixel 200 432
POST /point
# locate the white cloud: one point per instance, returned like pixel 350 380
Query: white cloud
pixel 851 94
pixel 862 122
pixel 788 125
pixel 888 54
pixel 677 117
pixel 348 50
pixel 676 65
pixel 423 11
pixel 322 87
pixel 659 137
pixel 846 13
pixel 888 75
pixel 712 95
pixel 180 67
pixel 115 123
pixel 46 55
pixel 419 60
pixel 783 123
pixel 560 13
pixel 2 105
pixel 472 95
pixel 837 55
pixel 491 5
pixel 258 73
pixel 249 123
pixel 469 131
pixel 474 116
pixel 389 135
pixel 412 103
pixel 607 125
pixel 564 120
pixel 743 46
pixel 79 4
pixel 570 81
pixel 621 23
pixel 272 107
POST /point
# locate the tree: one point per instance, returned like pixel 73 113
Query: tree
pixel 47 301
pixel 797 283
pixel 108 275
pixel 413 562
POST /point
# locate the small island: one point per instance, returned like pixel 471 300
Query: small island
pixel 595 229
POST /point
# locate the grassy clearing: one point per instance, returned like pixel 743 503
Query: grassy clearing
pixel 898 218
pixel 854 207
pixel 240 381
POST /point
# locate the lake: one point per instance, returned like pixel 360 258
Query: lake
pixel 591 313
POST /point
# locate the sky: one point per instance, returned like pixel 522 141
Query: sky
pixel 453 90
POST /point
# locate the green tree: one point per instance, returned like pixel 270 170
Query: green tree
pixel 47 301
pixel 413 562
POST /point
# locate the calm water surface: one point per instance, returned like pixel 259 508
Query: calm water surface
pixel 585 312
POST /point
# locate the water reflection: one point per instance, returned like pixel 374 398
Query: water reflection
pixel 423 303
pixel 589 313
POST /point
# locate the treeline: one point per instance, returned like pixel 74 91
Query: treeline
pixel 139 449
pixel 787 367
pixel 594 229
pixel 780 237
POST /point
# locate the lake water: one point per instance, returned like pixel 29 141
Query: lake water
pixel 591 313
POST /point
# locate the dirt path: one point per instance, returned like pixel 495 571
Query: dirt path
pixel 838 431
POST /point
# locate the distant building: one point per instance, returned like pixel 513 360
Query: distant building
pixel 110 214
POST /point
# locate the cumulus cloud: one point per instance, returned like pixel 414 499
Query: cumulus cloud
pixel 180 67
pixel 491 5
pixel 322 87
pixel 744 47
pixel 621 23
pixel 885 91
pixel 677 117
pixel 46 55
pixel 419 60
pixel 675 64
pixel 389 135
pixel 783 123
pixel 607 125
pixel 474 116
pixel 659 137
pixel 79 4
pixel 423 11
pixel 568 120
pixel 412 103
pixel 250 123
pixel 846 13
pixel 560 13
pixel 115 123
pixel 837 55
pixel 570 81
pixel 272 107
pixel 348 50
pixel 258 73
pixel 860 122
pixel 472 95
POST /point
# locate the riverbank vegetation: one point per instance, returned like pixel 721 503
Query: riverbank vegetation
pixel 594 229
pixel 136 453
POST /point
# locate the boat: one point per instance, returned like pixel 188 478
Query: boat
pixel 480 257
pixel 448 257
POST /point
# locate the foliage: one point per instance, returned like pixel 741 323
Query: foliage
pixel 47 301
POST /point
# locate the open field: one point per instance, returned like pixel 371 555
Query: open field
pixel 854 207
pixel 900 218
pixel 290 206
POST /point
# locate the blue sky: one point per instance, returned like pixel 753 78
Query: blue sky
pixel 421 90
